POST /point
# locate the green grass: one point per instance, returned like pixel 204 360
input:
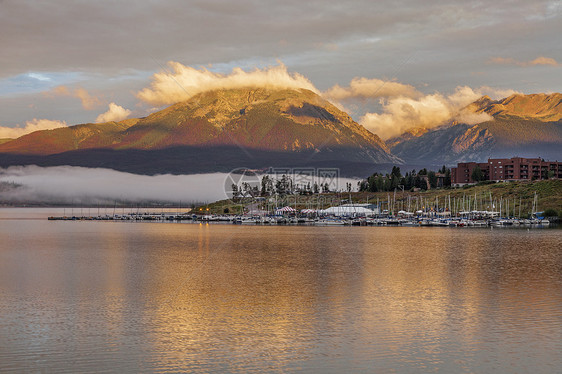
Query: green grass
pixel 519 194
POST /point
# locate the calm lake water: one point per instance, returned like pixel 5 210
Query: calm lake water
pixel 168 297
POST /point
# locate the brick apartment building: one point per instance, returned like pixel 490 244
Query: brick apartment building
pixel 507 169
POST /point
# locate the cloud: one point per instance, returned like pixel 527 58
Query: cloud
pixel 541 60
pixel 179 82
pixel 472 118
pixel 365 88
pixel 497 93
pixel 79 184
pixel 71 184
pixel 400 114
pixel 89 102
pixel 30 126
pixel 39 77
pixel 69 41
pixel 115 113
pixel 61 91
pixel 449 39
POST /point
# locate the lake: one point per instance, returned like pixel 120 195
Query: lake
pixel 180 297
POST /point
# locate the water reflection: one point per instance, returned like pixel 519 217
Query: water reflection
pixel 91 296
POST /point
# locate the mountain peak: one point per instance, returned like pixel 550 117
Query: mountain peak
pixel 529 125
pixel 543 107
pixel 260 119
pixel 221 106
pixel 265 118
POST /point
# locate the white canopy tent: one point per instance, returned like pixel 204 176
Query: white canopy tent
pixel 308 211
pixel 348 211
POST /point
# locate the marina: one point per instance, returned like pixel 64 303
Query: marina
pixel 470 211
pixel 472 219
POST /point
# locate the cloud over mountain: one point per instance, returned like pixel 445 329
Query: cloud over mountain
pixel 30 126
pixel 364 88
pixel 399 114
pixel 179 83
pixel 114 113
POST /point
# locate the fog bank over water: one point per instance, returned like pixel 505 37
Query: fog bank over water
pixel 69 184
pixel 79 185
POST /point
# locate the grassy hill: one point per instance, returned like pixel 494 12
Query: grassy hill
pixel 519 194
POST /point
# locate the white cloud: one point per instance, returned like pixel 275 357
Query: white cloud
pixel 541 60
pixel 182 82
pixel 497 93
pixel 115 113
pixel 39 77
pixel 364 88
pixel 30 126
pixel 89 102
pixel 400 114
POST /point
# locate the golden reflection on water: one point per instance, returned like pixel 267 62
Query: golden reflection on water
pixel 235 298
pixel 260 292
pixel 239 295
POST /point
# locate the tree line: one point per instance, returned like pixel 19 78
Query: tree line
pixel 423 179
pixel 285 185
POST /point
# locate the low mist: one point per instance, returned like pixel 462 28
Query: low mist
pixel 79 185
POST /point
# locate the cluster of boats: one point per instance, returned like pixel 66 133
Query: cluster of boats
pixel 371 221
pixel 127 217
pixel 317 221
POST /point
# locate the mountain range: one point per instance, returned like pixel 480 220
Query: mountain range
pixel 519 125
pixel 259 128
pixel 213 131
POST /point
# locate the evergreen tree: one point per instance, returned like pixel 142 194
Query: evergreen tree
pixel 265 181
pixel 432 178
pixel 235 191
pixel 477 174
pixel 363 185
pixel 419 182
pixel 409 184
pixel 393 182
pixel 379 184
pixel 447 180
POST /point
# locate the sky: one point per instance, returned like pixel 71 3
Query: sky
pixel 391 64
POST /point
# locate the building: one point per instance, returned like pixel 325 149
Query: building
pixel 462 174
pixel 507 169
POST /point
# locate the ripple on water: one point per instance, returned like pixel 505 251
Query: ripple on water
pixel 98 296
